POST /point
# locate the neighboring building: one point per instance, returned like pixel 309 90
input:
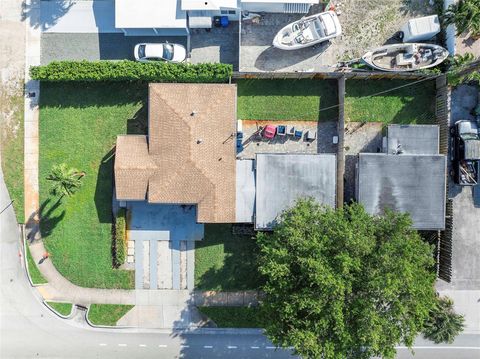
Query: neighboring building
pixel 410 177
pixel 189 158
pixel 283 178
pixel 176 17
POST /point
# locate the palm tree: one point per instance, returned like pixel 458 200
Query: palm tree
pixel 65 180
pixel 444 324
pixel 465 15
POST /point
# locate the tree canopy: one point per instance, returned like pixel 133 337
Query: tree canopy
pixel 345 284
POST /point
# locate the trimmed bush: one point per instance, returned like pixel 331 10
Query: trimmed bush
pixel 126 70
pixel 120 237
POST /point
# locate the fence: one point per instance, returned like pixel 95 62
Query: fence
pixel 332 75
pixel 445 238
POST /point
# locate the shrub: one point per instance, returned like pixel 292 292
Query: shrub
pixel 120 237
pixel 444 324
pixel 126 70
pixel 465 15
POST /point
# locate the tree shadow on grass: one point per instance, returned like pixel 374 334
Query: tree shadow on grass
pixel 48 219
pixel 240 266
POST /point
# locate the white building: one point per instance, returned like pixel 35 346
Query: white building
pixel 175 17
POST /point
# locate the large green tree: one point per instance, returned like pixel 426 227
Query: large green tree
pixel 345 284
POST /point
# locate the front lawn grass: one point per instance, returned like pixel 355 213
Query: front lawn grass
pixel 79 123
pixel 11 147
pixel 288 99
pixel 226 262
pixel 35 275
pixel 413 104
pixel 234 317
pixel 62 308
pixel 107 314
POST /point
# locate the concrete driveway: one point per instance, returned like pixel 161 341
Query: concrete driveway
pixel 95 46
pixel 164 237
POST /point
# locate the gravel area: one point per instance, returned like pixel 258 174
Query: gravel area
pixel 366 24
pixel 359 137
pixel 254 143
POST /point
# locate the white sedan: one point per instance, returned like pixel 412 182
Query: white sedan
pixel 160 52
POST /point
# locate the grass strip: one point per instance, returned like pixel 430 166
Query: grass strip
pixel 35 275
pixel 62 308
pixel 107 314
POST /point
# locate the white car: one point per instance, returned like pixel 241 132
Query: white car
pixel 160 52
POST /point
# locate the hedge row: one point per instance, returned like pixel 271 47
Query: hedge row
pixel 120 237
pixel 126 70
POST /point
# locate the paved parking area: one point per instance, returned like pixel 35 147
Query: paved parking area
pixel 216 45
pixel 466 210
pixel 95 46
pixel 254 143
pixel 164 238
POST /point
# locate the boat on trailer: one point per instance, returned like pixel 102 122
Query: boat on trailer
pixel 405 57
pixel 308 31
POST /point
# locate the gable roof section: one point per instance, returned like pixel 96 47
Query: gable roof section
pixel 192 148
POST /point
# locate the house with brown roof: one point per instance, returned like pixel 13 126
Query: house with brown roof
pixel 188 157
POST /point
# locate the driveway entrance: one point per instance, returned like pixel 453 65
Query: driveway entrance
pixel 164 237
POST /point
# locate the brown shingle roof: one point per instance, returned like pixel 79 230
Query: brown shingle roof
pixel 192 149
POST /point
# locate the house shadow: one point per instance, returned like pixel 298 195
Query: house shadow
pixel 103 189
pixel 48 218
pixel 240 267
pixel 138 124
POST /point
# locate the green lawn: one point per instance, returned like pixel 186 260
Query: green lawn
pixel 224 261
pixel 107 314
pixel 11 147
pixel 35 275
pixel 79 123
pixel 62 308
pixel 287 99
pixel 234 317
pixel 414 104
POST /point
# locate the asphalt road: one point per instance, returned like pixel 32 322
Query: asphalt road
pixel 29 330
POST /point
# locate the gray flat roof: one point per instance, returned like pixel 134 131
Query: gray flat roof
pixel 404 183
pixel 284 178
pixel 414 139
pixel 245 191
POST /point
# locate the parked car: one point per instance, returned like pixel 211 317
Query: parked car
pixel 160 52
pixel 465 152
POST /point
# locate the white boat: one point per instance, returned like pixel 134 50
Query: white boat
pixel 405 57
pixel 308 31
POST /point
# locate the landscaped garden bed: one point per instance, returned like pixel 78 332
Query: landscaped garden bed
pixel 107 314
pixel 413 102
pixel 288 99
pixel 79 123
pixel 224 261
pixel 234 317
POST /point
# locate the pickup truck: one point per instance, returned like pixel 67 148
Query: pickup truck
pixel 465 152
